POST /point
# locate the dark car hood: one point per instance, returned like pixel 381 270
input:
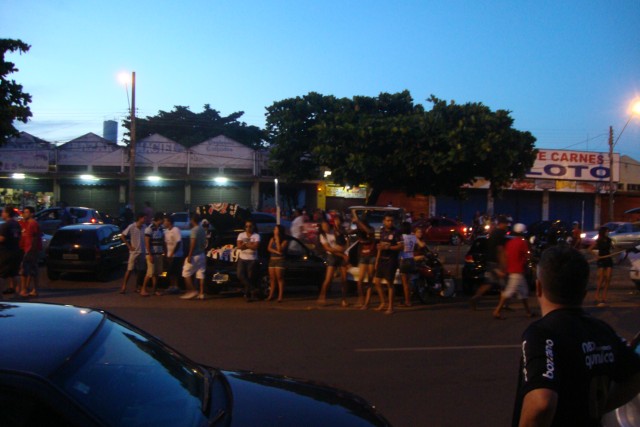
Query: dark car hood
pixel 275 400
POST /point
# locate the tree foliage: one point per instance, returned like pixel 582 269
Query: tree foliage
pixel 389 142
pixel 14 103
pixel 188 128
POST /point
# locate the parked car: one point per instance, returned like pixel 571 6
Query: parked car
pixel 475 266
pixel 625 235
pixel 374 215
pixel 302 266
pixel 266 221
pixel 51 219
pixel 443 230
pixel 95 248
pixel 182 220
pixel 73 366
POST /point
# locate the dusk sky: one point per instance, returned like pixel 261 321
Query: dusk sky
pixel 567 70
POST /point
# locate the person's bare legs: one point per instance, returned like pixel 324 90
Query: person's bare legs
pixel 272 283
pixel 322 298
pixel 344 285
pixel 391 292
pixel 605 283
pixel 188 284
pixel 280 280
pixel 599 283
pixel 362 271
pixel 123 288
pixel 405 288
pixel 378 284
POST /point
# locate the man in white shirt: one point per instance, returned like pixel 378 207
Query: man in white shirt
pixel 248 242
pixel 175 257
pixel 135 233
pixel 297 224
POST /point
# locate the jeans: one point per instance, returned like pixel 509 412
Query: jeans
pixel 248 275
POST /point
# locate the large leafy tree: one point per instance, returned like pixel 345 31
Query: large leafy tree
pixel 389 142
pixel 14 103
pixel 188 128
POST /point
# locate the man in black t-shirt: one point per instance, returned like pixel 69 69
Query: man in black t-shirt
pixel 574 367
pixel 10 252
pixel 495 260
pixel 386 262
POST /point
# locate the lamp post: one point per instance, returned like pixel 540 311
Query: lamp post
pixel 635 110
pixel 132 145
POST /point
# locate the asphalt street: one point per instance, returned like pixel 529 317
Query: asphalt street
pixel 439 364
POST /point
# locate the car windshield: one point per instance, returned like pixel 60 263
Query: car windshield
pixel 128 379
pixel 612 226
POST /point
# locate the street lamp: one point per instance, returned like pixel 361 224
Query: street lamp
pixel 635 111
pixel 132 142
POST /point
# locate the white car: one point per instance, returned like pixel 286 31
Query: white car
pixel 625 235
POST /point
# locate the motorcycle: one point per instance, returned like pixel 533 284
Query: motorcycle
pixel 432 279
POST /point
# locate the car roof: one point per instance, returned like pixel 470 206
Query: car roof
pixel 376 208
pixel 87 226
pixel 38 338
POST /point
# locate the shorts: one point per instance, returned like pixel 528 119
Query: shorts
pixel 276 262
pixel 29 265
pixel 136 261
pixel 174 266
pixel 516 285
pixel 366 260
pixel 335 261
pixel 387 269
pixel 605 263
pixel 154 268
pixel 197 266
pixel 491 276
pixel 10 263
pixel 407 266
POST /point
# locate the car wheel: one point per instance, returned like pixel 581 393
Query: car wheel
pixel 53 275
pixel 456 240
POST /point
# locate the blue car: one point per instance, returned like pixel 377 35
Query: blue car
pixel 73 366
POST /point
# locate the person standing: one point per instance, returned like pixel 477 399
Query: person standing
pixel 175 257
pixel 574 367
pixel 366 255
pixel 604 245
pixel 195 263
pixel 31 245
pixel 336 259
pixel 248 242
pixel 517 255
pixel 297 225
pixel 137 251
pixel 155 248
pixel 576 235
pixel 387 262
pixel 495 260
pixel 407 262
pixel 277 246
pixel 10 252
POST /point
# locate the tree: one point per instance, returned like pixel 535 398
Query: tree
pixel 389 142
pixel 189 128
pixel 13 101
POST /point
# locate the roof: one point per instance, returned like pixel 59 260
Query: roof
pixel 38 338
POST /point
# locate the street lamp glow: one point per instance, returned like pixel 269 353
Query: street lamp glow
pixel 88 178
pixel 18 176
pixel 635 107
pixel 221 179
pixel 154 178
pixel 124 78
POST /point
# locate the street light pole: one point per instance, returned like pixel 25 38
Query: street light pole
pixel 132 144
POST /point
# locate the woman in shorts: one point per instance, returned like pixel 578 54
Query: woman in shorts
pixel 277 246
pixel 604 245
pixel 336 259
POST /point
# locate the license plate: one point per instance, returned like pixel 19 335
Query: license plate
pixel 69 256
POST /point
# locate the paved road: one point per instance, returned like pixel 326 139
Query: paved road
pixel 439 364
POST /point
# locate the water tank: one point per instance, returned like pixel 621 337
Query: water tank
pixel 110 130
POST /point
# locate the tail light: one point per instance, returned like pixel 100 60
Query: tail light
pixel 469 258
pixel 93 221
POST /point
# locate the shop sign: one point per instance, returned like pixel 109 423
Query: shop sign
pixel 574 166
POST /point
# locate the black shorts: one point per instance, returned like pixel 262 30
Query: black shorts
pixel 387 269
pixel 335 261
pixel 407 266
pixel 605 263
pixel 10 263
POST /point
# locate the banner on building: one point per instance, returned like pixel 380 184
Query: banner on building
pixel 575 166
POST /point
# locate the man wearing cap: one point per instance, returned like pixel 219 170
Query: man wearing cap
pixel 495 259
pixel 516 254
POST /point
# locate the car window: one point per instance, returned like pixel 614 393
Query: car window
pixel 78 213
pixel 21 408
pixel 49 215
pixel 635 227
pixel 295 248
pixel 118 374
pixel 83 238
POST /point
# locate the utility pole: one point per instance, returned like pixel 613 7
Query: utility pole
pixel 611 189
pixel 132 145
